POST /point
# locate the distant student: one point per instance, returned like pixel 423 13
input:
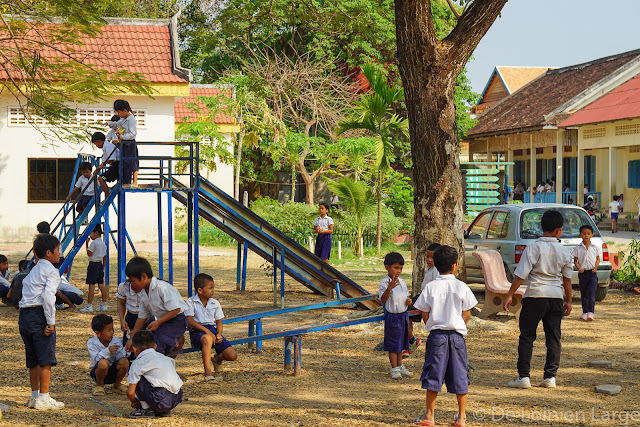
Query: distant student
pixel 97 253
pixel 394 295
pixel 614 210
pixel 549 267
pixel 585 193
pixel 110 160
pixel 109 363
pixel 205 315
pixel 15 293
pixel 127 127
pixel 586 258
pixel 43 227
pixel 432 272
pixel 37 321
pixel 82 185
pixel 161 300
pixel 323 227
pixel 5 274
pixel 621 202
pixel 154 385
pixel 446 305
pixel 68 294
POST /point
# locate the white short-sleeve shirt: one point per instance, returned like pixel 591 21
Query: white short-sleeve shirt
pixel 39 289
pixel 201 314
pixel 429 276
pixel 161 299
pixel 157 368
pixel 98 351
pixel 545 262
pixel 614 206
pixel 65 286
pixel 107 148
pixel 98 250
pixel 397 301
pixel 323 223
pixel 132 299
pixel 81 183
pixel 586 256
pixel 445 299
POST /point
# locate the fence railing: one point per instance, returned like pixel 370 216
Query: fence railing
pixel 568 197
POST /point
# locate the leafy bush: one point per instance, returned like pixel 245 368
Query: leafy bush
pixel 399 195
pixel 630 269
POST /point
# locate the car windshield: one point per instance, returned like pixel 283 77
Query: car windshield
pixel 573 220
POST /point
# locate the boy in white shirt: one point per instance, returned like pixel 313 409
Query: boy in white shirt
pixel 586 258
pixel 204 316
pixel 159 299
pixel 5 273
pixel 110 159
pixel 323 227
pixel 128 307
pixel 394 295
pixel 81 183
pixel 109 363
pixel 446 305
pixel 154 385
pixel 548 266
pixel 614 210
pixel 37 321
pixel 97 253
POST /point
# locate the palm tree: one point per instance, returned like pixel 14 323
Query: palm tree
pixel 374 114
pixel 355 195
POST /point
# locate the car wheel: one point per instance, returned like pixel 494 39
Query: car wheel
pixel 601 293
pixel 508 272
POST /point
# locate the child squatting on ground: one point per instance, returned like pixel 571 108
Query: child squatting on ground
pixel 97 253
pixel 446 305
pixel 5 273
pixel 205 316
pixel 37 321
pixel 109 363
pixel 586 258
pixel 323 227
pixel 161 300
pixel 154 385
pixel 549 267
pixel 395 297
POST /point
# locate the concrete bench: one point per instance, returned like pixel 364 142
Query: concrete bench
pixel 496 285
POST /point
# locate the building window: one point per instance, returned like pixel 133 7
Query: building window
pixel 84 116
pixel 50 180
pixel 633 174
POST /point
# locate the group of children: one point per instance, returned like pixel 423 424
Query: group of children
pixel 153 317
pixel 445 305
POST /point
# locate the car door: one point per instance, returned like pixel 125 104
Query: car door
pixel 474 240
pixel 498 238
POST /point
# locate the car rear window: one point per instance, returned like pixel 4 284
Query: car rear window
pixel 573 220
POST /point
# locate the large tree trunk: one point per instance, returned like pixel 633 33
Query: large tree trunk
pixel 429 69
pixel 236 187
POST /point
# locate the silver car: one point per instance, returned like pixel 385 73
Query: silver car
pixel 508 229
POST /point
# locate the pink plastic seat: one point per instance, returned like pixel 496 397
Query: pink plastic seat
pixel 496 285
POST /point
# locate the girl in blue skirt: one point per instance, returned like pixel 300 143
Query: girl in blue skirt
pixel 323 226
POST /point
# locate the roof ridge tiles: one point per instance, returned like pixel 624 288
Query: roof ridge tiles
pixel 594 61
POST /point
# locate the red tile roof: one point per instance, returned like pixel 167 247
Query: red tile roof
pixel 184 114
pixel 526 109
pixel 142 46
pixel 621 103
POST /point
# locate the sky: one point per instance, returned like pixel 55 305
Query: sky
pixel 555 33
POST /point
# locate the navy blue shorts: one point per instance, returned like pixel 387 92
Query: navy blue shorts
pixel 95 273
pixel 614 215
pixel 82 202
pixel 445 360
pixel 73 297
pixel 396 332
pixel 40 349
pixel 323 246
pixel 159 399
pixel 111 373
pixel 169 333
pixel 197 335
pixel 112 172
pixel 3 291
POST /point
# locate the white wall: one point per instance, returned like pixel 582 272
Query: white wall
pixel 18 218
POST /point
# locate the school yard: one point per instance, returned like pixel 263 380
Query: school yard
pixel 344 380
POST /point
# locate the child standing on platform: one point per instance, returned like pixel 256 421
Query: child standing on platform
pixel 395 297
pixel 548 266
pixel 82 183
pixel 155 388
pixel 161 300
pixel 446 305
pixel 37 321
pixel 205 321
pixel 109 363
pixel 127 129
pixel 586 258
pixel 323 227
pixel 97 252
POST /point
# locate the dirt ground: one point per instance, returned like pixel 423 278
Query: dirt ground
pixel 344 380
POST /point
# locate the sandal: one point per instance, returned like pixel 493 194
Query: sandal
pixel 455 421
pixel 209 378
pixel 98 391
pixel 419 422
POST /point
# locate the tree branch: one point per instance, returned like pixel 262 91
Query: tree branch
pixel 453 9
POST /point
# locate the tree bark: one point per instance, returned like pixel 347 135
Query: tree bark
pixel 236 187
pixel 429 69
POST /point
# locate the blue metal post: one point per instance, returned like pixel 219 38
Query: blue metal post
pixel 275 276
pixel 259 332
pixel 244 266
pixel 106 242
pixel 251 332
pixel 338 296
pixel 122 244
pixel 196 212
pixel 287 353
pixel 189 243
pixel 297 355
pixel 160 254
pixel 282 256
pixel 170 235
pixel 239 266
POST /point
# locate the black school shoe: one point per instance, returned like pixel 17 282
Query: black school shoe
pixel 142 413
pixel 163 414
